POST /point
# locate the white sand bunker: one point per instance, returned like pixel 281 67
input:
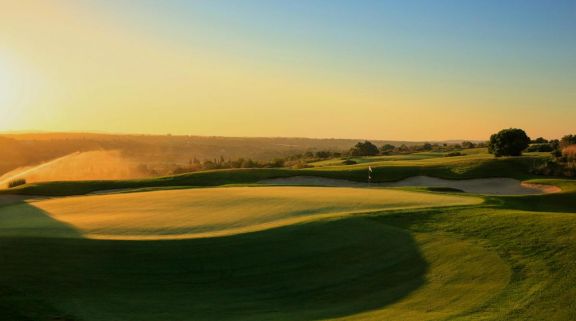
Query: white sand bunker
pixel 487 186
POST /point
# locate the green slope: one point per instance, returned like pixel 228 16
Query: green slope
pixel 461 167
pixel 204 212
pixel 481 262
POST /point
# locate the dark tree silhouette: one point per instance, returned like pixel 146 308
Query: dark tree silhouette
pixel 508 142
pixel 365 148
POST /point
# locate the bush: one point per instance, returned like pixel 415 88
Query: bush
pixel 323 154
pixel 540 148
pixel 564 165
pixel 569 153
pixel 452 154
pixel 349 162
pixel 427 147
pixel 540 140
pixel 567 141
pixel 16 182
pixel 508 142
pixel 386 149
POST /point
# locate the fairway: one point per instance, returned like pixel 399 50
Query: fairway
pixel 193 213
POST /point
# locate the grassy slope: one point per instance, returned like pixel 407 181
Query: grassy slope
pixel 481 262
pixel 209 212
pixel 298 271
pixel 461 167
pixel 511 258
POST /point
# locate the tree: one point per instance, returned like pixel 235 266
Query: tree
pixel 508 142
pixel 467 145
pixel 427 147
pixel 323 154
pixel 386 148
pixel 555 143
pixel 540 140
pixel 539 148
pixel 570 153
pixel 567 141
pixel 403 148
pixel 365 148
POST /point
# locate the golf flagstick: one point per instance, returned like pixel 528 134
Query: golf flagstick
pixel 369 174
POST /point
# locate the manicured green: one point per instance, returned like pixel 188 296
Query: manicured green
pixel 204 212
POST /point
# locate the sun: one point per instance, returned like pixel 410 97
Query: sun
pixel 5 76
pixel 12 91
pixel 6 93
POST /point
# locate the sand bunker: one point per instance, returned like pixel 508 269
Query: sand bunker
pixel 487 186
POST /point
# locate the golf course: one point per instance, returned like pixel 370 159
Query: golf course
pixel 287 160
pixel 319 243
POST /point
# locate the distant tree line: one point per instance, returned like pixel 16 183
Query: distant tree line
pixel 367 148
pixel 303 160
pixel 220 163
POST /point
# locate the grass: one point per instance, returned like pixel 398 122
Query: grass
pixel 288 271
pixel 405 256
pixel 475 165
pixel 209 212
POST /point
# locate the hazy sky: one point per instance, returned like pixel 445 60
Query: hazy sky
pixel 417 70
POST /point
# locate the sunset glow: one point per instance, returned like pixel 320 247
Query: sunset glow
pixel 358 69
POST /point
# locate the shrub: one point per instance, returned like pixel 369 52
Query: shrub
pixel 540 140
pixel 569 153
pixel 16 182
pixel 323 154
pixel 387 148
pixel 452 154
pixel 545 147
pixel 427 147
pixel 508 142
pixel 567 141
pixel 349 162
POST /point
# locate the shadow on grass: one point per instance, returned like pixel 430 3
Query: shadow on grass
pixel 19 221
pixel 556 202
pixel 313 271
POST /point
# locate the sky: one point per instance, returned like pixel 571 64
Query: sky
pixel 403 70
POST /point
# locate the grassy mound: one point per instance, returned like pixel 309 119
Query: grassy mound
pixel 193 213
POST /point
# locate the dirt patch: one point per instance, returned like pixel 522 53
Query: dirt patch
pixel 487 186
pixel 547 189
